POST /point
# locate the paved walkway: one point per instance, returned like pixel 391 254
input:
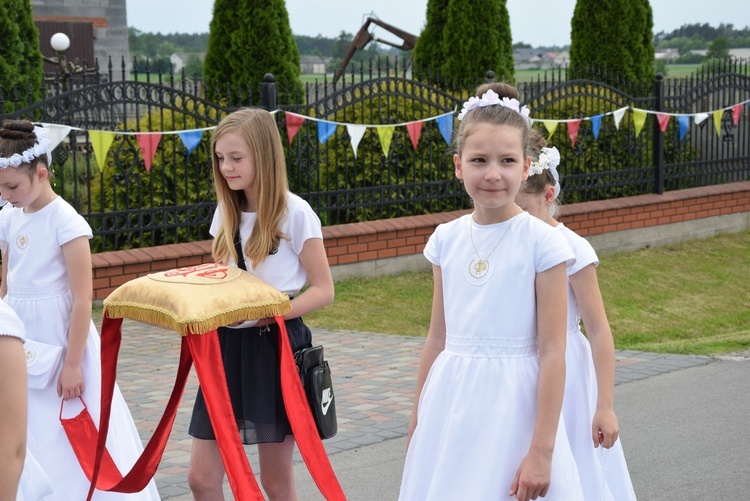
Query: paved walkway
pixel 374 378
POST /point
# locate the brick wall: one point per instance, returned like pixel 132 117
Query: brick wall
pixel 348 244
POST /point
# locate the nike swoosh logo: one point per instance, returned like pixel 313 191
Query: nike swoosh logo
pixel 326 400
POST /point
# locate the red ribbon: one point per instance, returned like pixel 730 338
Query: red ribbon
pixel 204 349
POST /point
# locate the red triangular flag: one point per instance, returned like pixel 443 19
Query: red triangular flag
pixel 293 124
pixel 573 126
pixel 415 129
pixel 663 119
pixel 148 143
pixel 736 112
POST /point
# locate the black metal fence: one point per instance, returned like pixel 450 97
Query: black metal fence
pixel 128 206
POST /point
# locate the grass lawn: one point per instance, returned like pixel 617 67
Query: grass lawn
pixel 692 297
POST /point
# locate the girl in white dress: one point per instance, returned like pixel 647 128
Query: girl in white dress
pixel 46 279
pixel 588 410
pixel 21 478
pixel 486 421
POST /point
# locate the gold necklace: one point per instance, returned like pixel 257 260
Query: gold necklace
pixel 480 267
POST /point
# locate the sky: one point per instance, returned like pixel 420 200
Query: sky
pixel 536 22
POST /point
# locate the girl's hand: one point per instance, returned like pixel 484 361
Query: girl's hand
pixel 533 477
pixel 605 428
pixel 70 383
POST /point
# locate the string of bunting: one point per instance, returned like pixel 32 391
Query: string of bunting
pixel 101 140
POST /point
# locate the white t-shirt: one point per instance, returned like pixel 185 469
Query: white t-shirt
pixel 283 269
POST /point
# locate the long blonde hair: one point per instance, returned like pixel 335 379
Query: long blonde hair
pixel 258 128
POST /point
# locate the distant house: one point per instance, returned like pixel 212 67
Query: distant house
pixel 531 59
pixel 743 54
pixel 312 65
pixel 667 55
pixel 562 58
pixel 180 59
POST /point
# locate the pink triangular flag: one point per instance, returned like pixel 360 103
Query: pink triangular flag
pixel 293 124
pixel 573 126
pixel 148 143
pixel 736 112
pixel 663 119
pixel 414 129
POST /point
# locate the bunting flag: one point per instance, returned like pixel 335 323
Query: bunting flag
pixel 325 130
pixel 617 115
pixel 736 112
pixel 386 135
pixel 663 120
pixel 293 124
pixel 355 134
pixel 684 122
pixel 445 124
pixel 639 118
pixel 717 121
pixel 148 143
pixel 191 139
pixel 56 134
pixel 551 126
pixel 100 142
pixel 414 129
pixel 596 125
pixel 573 127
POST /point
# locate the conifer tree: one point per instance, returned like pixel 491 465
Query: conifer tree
pixel 249 38
pixel 428 54
pixel 476 39
pixel 615 36
pixel 20 56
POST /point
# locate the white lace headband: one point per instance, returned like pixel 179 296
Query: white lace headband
pixel 40 148
pixel 490 98
pixel 549 158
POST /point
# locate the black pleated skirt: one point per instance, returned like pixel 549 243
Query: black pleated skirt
pixel 251 364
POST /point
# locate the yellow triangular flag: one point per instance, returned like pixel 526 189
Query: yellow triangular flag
pixel 639 118
pixel 101 141
pixel 718 115
pixel 551 126
pixel 386 134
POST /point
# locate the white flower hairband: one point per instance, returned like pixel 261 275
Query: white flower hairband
pixel 490 98
pixel 40 148
pixel 549 158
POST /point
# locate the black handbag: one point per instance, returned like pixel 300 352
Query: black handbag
pixel 316 380
pixel 316 377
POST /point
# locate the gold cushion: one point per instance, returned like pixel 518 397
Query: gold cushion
pixel 196 299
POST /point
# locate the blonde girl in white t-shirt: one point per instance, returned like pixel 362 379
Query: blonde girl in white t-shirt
pixel 282 243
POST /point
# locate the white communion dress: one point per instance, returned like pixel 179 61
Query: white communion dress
pixel 34 483
pixel 39 292
pixel 604 472
pixel 477 410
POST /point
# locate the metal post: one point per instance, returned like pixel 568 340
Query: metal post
pixel 268 94
pixel 658 151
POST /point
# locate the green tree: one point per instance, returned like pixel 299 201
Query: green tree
pixel 613 35
pixel 719 49
pixel 194 66
pixel 249 38
pixel 20 57
pixel 476 39
pixel 428 54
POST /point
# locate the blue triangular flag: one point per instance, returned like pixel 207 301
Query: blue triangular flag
pixel 684 122
pixel 325 130
pixel 445 124
pixel 190 139
pixel 596 124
